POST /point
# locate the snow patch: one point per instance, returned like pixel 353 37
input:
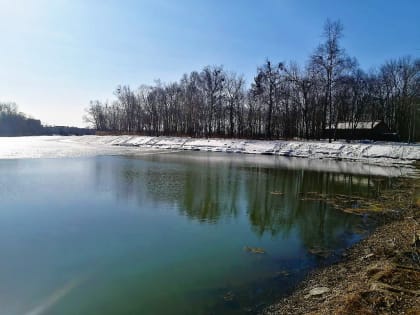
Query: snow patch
pixel 382 153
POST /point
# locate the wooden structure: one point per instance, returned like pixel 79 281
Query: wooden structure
pixel 362 130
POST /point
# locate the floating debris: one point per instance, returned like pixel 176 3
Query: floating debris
pixel 255 250
pixel 283 273
pixel 229 296
pixel 320 252
pixel 359 205
pixel 277 193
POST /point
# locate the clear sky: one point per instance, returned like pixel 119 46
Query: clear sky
pixel 57 55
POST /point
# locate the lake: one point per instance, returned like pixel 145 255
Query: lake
pixel 173 233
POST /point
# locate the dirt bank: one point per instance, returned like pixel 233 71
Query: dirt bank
pixel 379 275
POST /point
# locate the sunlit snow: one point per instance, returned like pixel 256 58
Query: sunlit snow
pixel 357 158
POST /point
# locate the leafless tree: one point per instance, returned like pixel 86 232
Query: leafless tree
pixel 284 100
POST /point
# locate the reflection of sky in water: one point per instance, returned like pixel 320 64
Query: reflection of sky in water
pixel 145 233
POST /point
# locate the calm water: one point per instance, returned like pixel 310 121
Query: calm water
pixel 162 234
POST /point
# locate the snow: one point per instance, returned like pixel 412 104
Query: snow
pixel 388 159
pixel 87 145
pixel 60 147
pixel 382 153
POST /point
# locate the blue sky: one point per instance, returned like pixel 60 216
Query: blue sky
pixel 57 55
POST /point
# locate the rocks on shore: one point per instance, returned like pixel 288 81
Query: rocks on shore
pixel 317 291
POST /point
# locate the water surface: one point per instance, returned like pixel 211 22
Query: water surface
pixel 165 233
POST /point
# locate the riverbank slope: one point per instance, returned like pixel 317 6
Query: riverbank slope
pixel 377 153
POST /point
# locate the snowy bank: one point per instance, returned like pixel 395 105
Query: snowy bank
pixel 319 156
pixel 382 153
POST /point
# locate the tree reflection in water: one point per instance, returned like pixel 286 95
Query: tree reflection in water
pixel 209 190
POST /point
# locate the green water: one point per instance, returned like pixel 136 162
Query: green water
pixel 163 234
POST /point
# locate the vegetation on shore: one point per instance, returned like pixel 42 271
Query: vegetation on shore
pixel 284 100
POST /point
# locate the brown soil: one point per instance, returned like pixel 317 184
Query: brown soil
pixel 379 275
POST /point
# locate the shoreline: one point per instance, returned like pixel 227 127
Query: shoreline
pixel 378 275
pixel 88 146
pixel 381 153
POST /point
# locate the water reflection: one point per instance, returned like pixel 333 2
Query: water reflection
pixel 142 226
pixel 211 193
pixel 209 190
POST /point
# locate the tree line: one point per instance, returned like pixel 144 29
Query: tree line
pixel 285 100
pixel 14 123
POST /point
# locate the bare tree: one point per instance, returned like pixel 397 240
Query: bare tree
pixel 235 99
pixel 332 62
pixel 266 90
pixel 282 101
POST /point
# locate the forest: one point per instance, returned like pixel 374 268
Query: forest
pixel 285 100
pixel 14 123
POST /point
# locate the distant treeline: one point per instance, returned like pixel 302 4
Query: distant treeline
pixel 14 123
pixel 285 100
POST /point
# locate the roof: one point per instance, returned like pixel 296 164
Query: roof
pixel 360 125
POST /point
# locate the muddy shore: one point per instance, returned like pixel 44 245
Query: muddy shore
pixel 379 275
